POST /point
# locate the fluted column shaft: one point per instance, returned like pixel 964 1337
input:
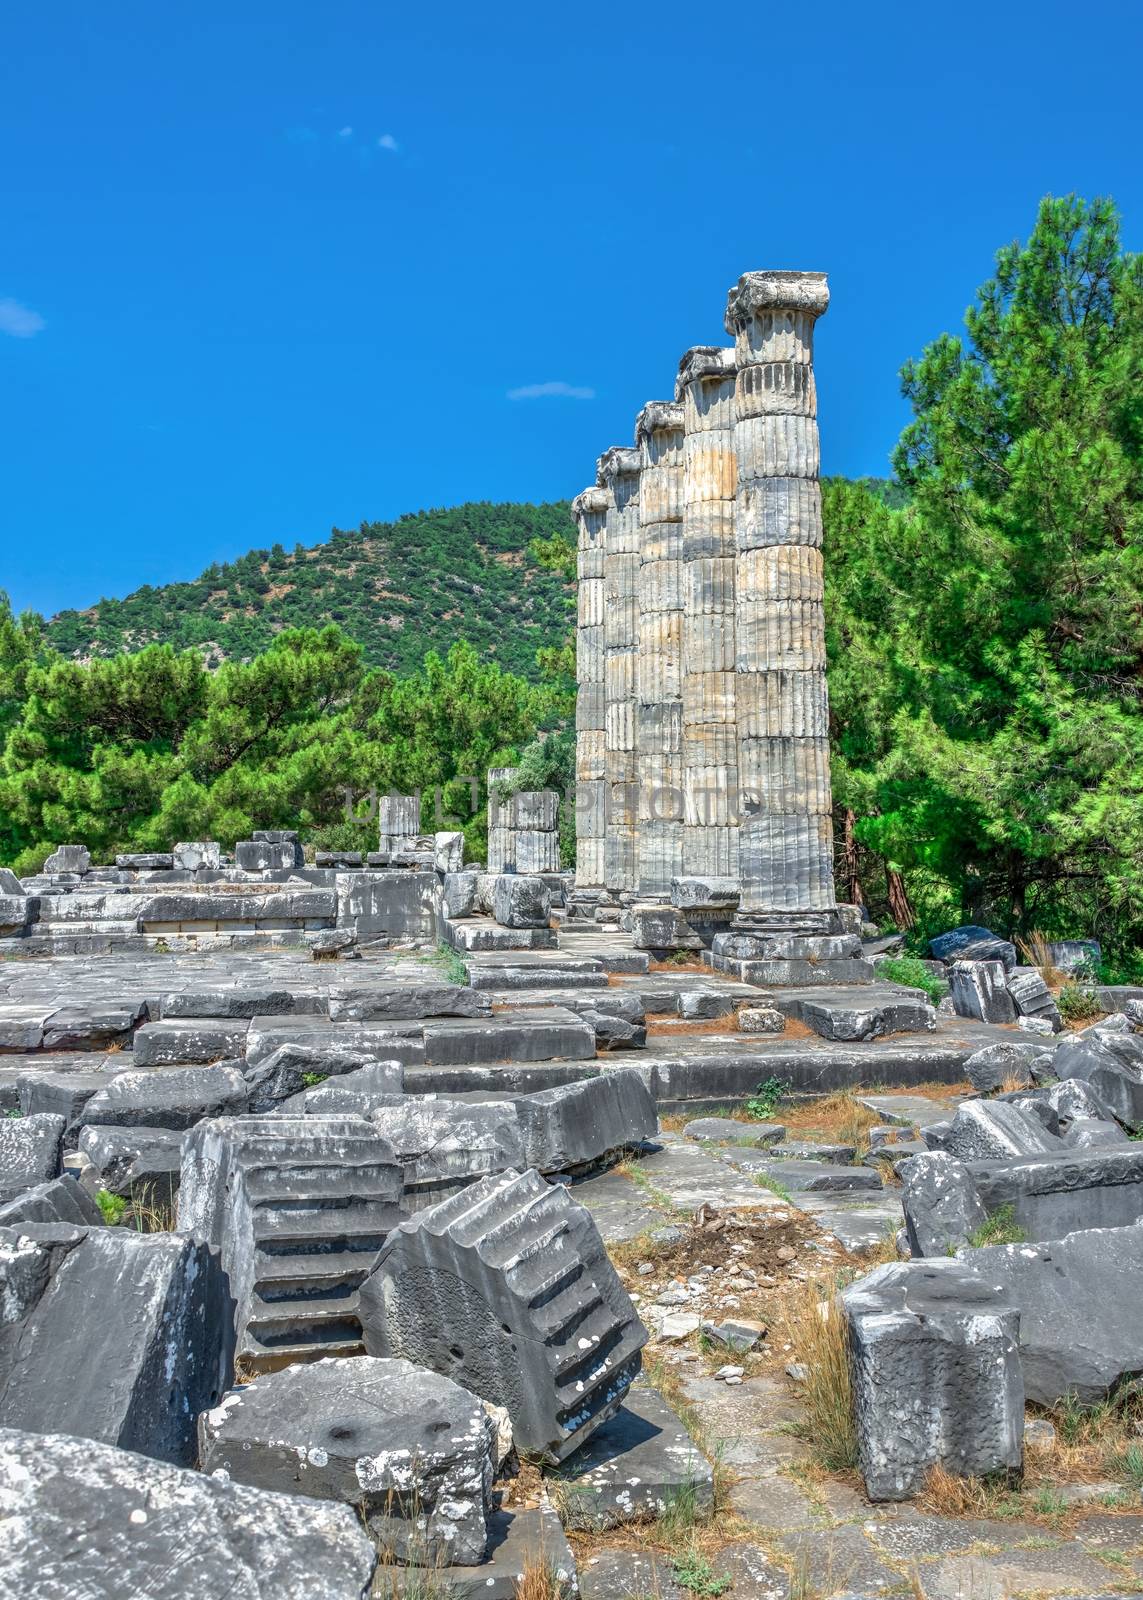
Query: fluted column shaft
pixel 590 510
pixel 658 677
pixel 619 473
pixel 786 837
pixel 705 386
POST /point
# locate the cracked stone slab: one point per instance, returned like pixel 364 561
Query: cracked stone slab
pixel 90 1519
pixel 617 1574
pixel 635 1465
pixel 1063 1569
pixel 689 1178
pixel 516 1540
pixel 841 1559
pixel 620 1208
pixel 911 1538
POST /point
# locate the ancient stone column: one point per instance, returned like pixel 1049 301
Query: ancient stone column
pixel 705 385
pixel 786 839
pixel 590 510
pixel 658 674
pixel 619 472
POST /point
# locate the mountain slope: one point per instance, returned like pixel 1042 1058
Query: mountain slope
pixel 398 588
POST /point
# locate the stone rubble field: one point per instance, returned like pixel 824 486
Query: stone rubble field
pixel 413 1254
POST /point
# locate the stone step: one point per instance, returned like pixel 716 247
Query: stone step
pixel 334 1226
pixel 189 1042
pixel 479 933
pixel 549 975
pixel 269 1349
pixel 793 972
pixel 865 1012
pixel 314 1187
pixel 499 1078
pixel 314 1273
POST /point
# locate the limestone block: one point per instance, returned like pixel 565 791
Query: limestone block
pixel 578 1124
pixel 137 1322
pixel 191 855
pixel 978 990
pixel 59 1200
pixel 69 858
pixel 170 1097
pixel 761 1019
pixel 941 1201
pixel 1113 1077
pixel 30 1151
pixel 936 1375
pixel 656 927
pixel 256 855
pixel 786 861
pixel 972 943
pixel 782 704
pixel 784 446
pixel 448 852
pixel 507 1289
pixel 987 1069
pixel 1031 996
pixel 134 1161
pixel 991 1130
pixel 460 893
pixel 784 775
pixel 590 706
pixel 778 634
pixel 294 1210
pixel 415 1463
pixel 521 902
pixel 399 814
pixel 444 1145
pixel 85 1518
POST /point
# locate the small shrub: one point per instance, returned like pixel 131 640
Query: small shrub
pixel 1077 1003
pixel 913 973
pixel 766 1099
pixel 1000 1228
pixel 112 1206
pixel 694 1573
pixel 312 1079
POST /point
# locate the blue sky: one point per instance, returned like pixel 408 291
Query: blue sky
pixel 268 267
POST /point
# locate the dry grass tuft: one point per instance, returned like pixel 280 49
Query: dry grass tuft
pixel 839 1118
pixel 947 1495
pixel 539 1581
pixel 1014 1084
pixel 1036 953
pixel 815 1325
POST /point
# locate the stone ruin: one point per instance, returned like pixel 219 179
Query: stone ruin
pixel 376 1119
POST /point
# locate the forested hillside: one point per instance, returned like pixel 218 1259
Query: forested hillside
pixel 398 588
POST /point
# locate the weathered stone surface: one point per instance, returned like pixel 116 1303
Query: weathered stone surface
pixel 410 1451
pixel 636 1465
pixel 577 1124
pixel 146 861
pixel 191 855
pixel 30 1150
pixel 1031 996
pixel 936 1375
pixel 59 1200
pixel 662 928
pixel 408 1001
pixel 134 1160
pixel 760 1019
pixel 972 943
pixel 125 1342
pixel 520 901
pixel 519 1544
pixel 69 858
pixel 1101 1060
pixel 719 895
pixel 459 891
pixel 941 1202
pixel 167 1097
pixel 448 852
pixel 296 1211
pixel 248 1001
pixel 185 1041
pixel 88 1519
pixel 979 990
pixel 507 1289
pixel 1055 1195
pixel 92 1027
pixel 723 1130
pixel 330 943
pixel 444 1145
pixel 613 1032
pixel 989 1068
pixel 1080 1312
pixel 356 1093
pixel 291 1069
pixel 264 855
pixel 989 1130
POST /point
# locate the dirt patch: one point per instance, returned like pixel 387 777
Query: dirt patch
pixel 660 1023
pixel 681 966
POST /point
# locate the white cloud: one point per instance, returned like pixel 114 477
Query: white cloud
pixel 345 133
pixel 387 142
pixel 20 321
pixel 546 391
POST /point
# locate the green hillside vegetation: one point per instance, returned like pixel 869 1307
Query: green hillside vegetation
pixel 398 588
pixel 984 632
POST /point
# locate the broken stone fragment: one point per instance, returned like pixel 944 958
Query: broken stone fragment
pixel 444 1145
pixel 134 1161
pixel 191 855
pixel 69 858
pixel 991 1130
pixel 59 1200
pixel 941 1202
pixel 613 1032
pixel 328 943
pixel 127 1341
pixel 972 943
pixel 507 1289
pixel 87 1519
pixel 295 1067
pixel 295 1211
pixel 30 1152
pixel 705 894
pixel 987 1069
pixel 979 990
pixel 1032 998
pixel 356 1093
pixel 723 1130
pixel 761 1019
pixel 577 1124
pixel 410 1451
pixel 406 1002
pixel 936 1375
pixel 1112 1067
pixel 656 927
pixel 167 1097
pixel 520 901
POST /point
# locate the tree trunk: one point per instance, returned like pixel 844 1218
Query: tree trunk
pixel 850 868
pixel 902 912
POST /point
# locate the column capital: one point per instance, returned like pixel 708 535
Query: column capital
pixel 658 416
pixel 776 291
pixel 591 500
pixel 620 461
pixel 704 361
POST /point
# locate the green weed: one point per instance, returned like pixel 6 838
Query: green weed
pixel 112 1206
pixel 1000 1228
pixel 765 1100
pixel 914 974
pixel 694 1573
